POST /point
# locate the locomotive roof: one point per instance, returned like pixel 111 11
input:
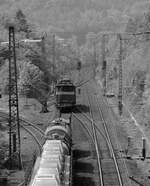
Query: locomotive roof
pixel 64 81
pixel 60 120
pixel 65 84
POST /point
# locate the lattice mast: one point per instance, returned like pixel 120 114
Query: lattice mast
pixel 14 126
pixel 53 50
pixel 120 105
pixel 104 65
pixel 94 58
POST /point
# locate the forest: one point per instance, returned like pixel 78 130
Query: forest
pixel 78 24
pixel 71 31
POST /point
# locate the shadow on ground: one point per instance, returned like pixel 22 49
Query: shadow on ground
pixel 81 109
pixel 66 110
pixel 80 154
pixel 82 181
pixel 83 167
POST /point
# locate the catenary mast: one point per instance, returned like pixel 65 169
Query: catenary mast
pixel 14 126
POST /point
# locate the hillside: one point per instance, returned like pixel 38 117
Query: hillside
pixel 79 18
pixel 135 65
pixel 75 16
pixel 81 22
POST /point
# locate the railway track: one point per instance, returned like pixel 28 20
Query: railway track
pixel 102 103
pixel 95 136
pixel 35 132
pixel 110 165
pixel 110 172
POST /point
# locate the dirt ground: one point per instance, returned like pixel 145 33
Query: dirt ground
pixel 30 110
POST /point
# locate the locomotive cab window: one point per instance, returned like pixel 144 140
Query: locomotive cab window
pixel 65 89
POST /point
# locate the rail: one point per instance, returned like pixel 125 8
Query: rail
pixel 106 137
pixel 110 143
pixel 35 138
pixel 100 132
pixel 5 115
pixel 119 145
pixel 96 144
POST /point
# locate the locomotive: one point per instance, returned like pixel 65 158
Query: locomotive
pixel 54 166
pixel 65 92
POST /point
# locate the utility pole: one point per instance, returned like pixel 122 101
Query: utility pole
pixel 53 66
pixel 43 48
pixel 120 105
pixel 14 125
pixel 104 68
pixel 95 57
pixel 104 65
pixel 53 62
